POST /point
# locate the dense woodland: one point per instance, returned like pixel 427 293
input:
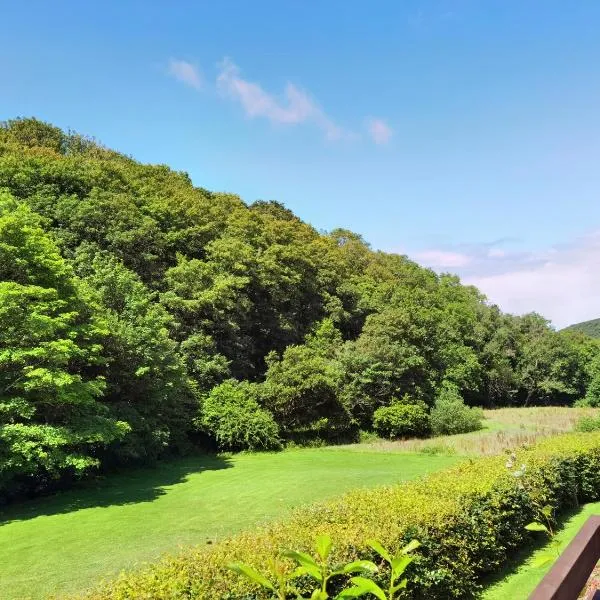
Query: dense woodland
pixel 591 328
pixel 140 315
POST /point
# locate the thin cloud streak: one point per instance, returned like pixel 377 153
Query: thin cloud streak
pixel 185 72
pixel 298 107
pixel 379 130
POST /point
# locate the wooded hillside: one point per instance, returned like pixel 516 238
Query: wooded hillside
pixel 140 315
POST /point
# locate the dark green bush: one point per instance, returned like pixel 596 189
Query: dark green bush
pixel 451 415
pixel 232 415
pixel 401 420
pixel 469 519
pixel 587 424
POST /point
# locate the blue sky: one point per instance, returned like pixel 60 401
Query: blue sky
pixel 463 133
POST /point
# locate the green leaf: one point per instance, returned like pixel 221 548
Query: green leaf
pixel 368 587
pixel 358 566
pixel 380 550
pixel 319 595
pixel 412 545
pixel 400 586
pixel 353 592
pixel 547 511
pixel 306 561
pixel 535 526
pixel 323 546
pixel 251 574
pixel 542 561
pixel 399 565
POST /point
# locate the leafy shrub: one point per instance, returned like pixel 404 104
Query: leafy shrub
pixel 587 424
pixel 320 570
pixel 451 415
pixel 401 420
pixel 469 519
pixel 232 415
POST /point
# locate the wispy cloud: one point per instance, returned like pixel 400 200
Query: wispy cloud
pixel 379 130
pixel 294 108
pixel 560 282
pixel 442 259
pixel 185 72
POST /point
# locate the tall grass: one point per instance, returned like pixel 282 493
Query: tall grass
pixel 504 429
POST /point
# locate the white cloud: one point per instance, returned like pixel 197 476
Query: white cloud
pixel 185 72
pixel 379 130
pixel 296 107
pixel 441 259
pixel 562 283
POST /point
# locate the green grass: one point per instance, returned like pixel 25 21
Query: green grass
pixel 67 542
pixel 520 578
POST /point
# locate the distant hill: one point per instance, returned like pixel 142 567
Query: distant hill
pixel 591 328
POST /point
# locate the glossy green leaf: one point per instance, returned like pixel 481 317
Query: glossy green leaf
pixel 400 586
pixel 535 526
pixel 358 566
pixel 323 546
pixel 380 550
pixel 252 574
pixel 369 587
pixel 307 562
pixel 412 545
pixel 399 565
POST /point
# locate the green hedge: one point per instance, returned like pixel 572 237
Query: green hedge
pixel 469 519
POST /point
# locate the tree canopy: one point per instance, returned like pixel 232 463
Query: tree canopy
pixel 140 314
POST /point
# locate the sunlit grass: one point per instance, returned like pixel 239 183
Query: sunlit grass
pixel 67 542
pixel 504 429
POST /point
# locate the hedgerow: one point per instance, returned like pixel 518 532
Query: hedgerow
pixel 469 519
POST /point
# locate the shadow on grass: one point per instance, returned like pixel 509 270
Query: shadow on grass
pixel 520 558
pixel 127 486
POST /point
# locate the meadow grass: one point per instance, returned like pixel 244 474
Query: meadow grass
pixel 66 542
pixel 503 429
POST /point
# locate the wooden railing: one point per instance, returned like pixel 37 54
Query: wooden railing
pixel 571 571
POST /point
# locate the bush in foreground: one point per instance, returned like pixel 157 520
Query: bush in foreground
pixel 451 415
pixel 469 520
pixel 401 420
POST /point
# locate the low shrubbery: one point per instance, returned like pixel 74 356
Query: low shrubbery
pixel 588 424
pixel 401 420
pixel 469 520
pixel 231 414
pixel 451 415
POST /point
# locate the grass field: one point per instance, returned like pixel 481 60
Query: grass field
pixel 521 577
pixel 67 542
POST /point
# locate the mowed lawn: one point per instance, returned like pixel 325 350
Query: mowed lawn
pixel 67 542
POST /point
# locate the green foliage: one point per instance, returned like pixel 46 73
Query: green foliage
pixel 469 521
pixel 450 415
pixel 587 424
pixel 301 388
pixel 592 396
pixel 146 381
pixel 51 419
pixel 155 291
pixel 591 328
pixel 317 569
pixel 232 415
pixel 401 420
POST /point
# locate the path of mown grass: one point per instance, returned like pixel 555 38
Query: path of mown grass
pixel 520 578
pixel 67 542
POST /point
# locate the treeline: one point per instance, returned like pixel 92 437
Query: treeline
pixel 141 315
